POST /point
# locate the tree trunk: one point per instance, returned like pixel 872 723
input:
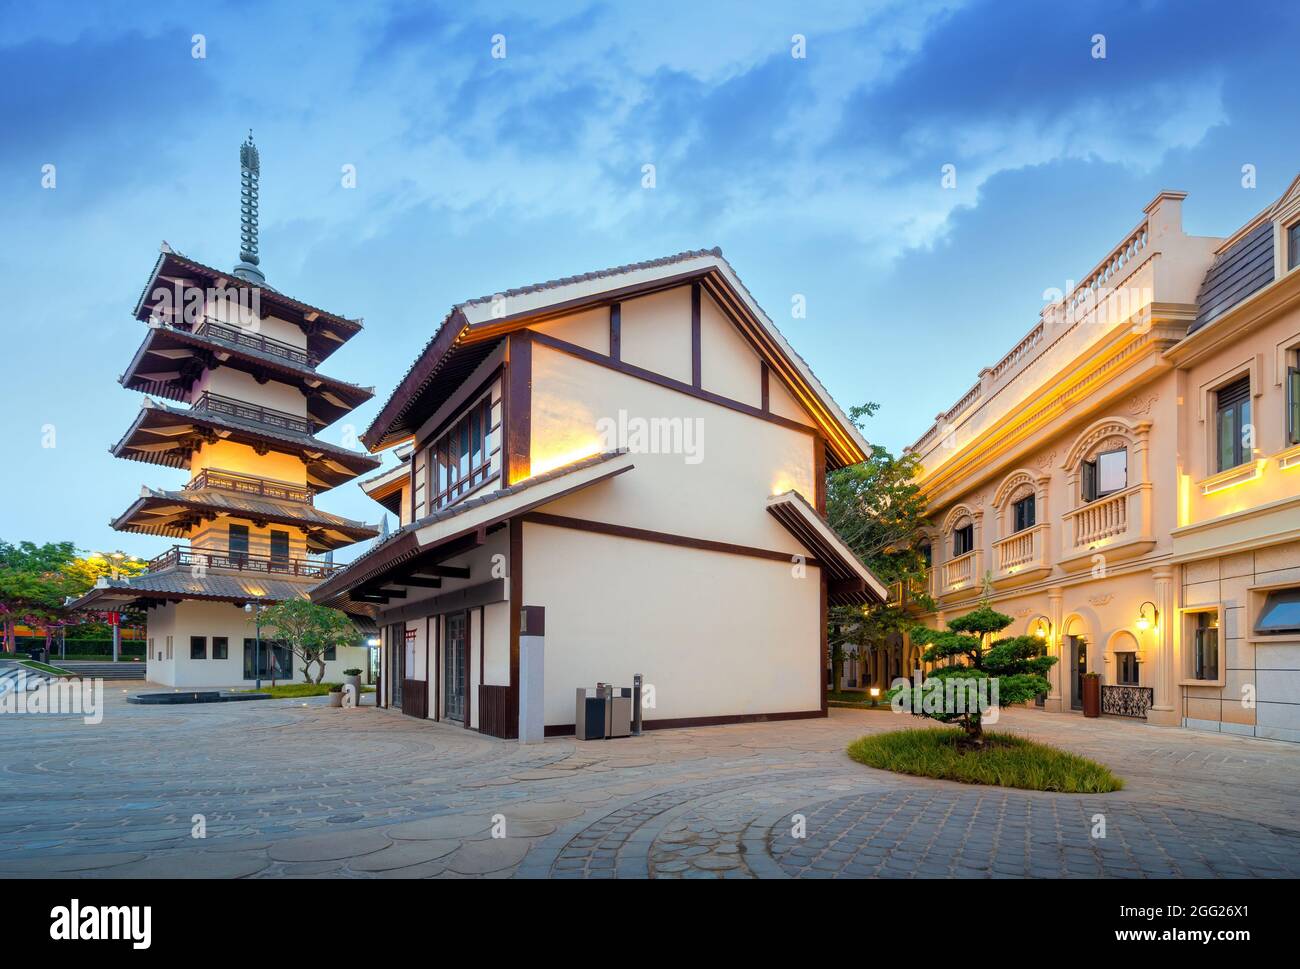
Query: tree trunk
pixel 974 727
pixel 320 665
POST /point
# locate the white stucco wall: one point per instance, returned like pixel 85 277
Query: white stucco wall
pixel 715 634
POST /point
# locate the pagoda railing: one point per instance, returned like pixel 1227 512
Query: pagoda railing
pixel 269 416
pixel 201 559
pixel 247 484
pixel 257 341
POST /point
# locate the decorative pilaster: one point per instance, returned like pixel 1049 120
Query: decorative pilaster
pixel 1164 681
pixel 1054 617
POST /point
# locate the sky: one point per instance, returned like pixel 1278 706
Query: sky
pixel 808 140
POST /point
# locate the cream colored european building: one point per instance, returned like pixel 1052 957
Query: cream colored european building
pixel 1125 482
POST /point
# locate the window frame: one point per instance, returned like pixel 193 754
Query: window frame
pixel 1293 399
pixel 1238 411
pixel 1123 660
pixel 1090 472
pixel 221 651
pixel 1293 246
pixel 196 641
pixel 283 538
pixel 1020 521
pixel 446 483
pixel 1190 620
pixel 968 533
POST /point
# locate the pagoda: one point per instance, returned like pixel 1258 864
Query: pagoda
pixel 228 365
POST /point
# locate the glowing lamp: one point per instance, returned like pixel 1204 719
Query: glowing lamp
pixel 1143 622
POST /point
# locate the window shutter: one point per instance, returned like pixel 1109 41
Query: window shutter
pixel 1089 480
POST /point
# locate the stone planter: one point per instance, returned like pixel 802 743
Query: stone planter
pixel 336 698
pixel 354 682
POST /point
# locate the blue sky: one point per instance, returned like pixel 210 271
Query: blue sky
pixel 818 176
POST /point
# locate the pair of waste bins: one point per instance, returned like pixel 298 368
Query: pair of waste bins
pixel 605 712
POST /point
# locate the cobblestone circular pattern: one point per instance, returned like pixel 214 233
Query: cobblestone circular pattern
pixel 991 834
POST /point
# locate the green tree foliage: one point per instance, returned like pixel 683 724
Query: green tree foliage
pixel 970 653
pixel 309 631
pixel 878 509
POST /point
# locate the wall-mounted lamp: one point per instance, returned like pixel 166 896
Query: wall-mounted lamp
pixel 1043 629
pixel 1142 621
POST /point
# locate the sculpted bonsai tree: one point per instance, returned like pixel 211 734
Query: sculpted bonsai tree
pixel 980 671
pixel 309 631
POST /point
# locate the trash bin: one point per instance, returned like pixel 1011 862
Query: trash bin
pixel 618 714
pixel 589 715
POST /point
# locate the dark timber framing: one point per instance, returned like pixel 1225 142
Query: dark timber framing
pixel 631 370
pixel 662 538
pixel 518 406
pixel 615 331
pixel 697 368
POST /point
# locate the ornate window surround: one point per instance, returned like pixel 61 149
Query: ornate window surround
pixel 1105 435
pixel 1019 484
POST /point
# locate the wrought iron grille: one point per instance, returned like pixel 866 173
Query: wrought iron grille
pixel 1126 701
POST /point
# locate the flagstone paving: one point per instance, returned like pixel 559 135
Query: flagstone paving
pixel 293 788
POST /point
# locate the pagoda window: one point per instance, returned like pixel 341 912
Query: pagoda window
pixel 238 541
pixel 279 546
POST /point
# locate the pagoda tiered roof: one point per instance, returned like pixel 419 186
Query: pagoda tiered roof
pixel 176 514
pixel 167 436
pixel 172 358
pixel 325 331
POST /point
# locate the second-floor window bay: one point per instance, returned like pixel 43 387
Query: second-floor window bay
pixel 461 459
pixel 1105 474
pixel 1232 424
pixel 963 540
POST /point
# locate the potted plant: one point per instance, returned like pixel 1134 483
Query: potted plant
pixel 352 678
pixel 1092 694
pixel 336 695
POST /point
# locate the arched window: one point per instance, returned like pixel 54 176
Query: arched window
pixel 1107 458
pixel 1020 502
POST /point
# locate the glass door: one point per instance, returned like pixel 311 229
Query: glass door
pixel 1077 650
pixel 453 693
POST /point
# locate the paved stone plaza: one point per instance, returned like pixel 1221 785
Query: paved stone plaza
pixel 294 789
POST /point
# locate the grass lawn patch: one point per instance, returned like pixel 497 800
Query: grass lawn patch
pixel 1004 761
pixel 32 664
pixel 294 691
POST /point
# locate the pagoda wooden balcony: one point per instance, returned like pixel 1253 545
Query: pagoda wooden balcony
pixel 256 341
pixel 255 413
pixel 961 574
pixel 1108 530
pixel 1022 557
pixel 247 484
pixel 224 560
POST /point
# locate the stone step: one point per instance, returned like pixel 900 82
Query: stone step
pixel 108 671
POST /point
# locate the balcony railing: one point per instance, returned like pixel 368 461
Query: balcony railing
pixel 246 484
pixel 1118 525
pixel 961 572
pixel 186 556
pixel 257 341
pixel 269 416
pixel 1021 556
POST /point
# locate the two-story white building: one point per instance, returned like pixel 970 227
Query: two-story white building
pixel 640 452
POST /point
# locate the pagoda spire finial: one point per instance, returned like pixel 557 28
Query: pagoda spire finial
pixel 250 171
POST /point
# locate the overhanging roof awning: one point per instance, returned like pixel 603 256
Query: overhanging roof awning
pixel 180 584
pixel 851 582
pixel 168 435
pixel 170 360
pixel 175 513
pixel 473 516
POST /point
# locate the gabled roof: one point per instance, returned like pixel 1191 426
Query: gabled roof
pixel 185 584
pixel 175 513
pixel 472 329
pixel 170 359
pixel 326 331
pixel 167 435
